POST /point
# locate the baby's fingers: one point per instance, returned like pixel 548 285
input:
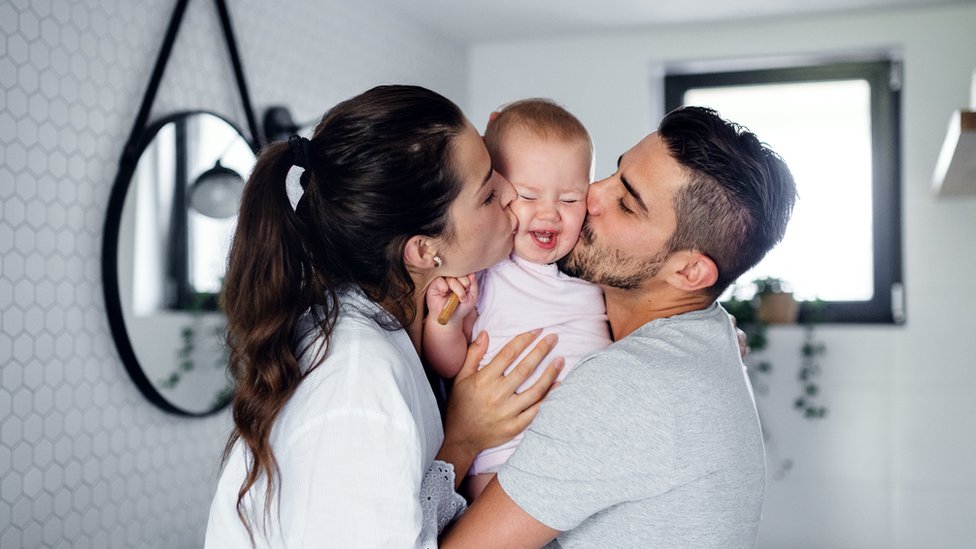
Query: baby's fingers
pixel 473 286
pixel 458 287
pixel 438 287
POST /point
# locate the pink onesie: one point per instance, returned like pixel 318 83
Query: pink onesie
pixel 517 296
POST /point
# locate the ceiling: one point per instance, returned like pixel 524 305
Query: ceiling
pixel 473 21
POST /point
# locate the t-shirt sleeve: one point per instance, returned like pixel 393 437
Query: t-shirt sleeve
pixel 596 442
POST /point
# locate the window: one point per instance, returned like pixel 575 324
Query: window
pixel 837 127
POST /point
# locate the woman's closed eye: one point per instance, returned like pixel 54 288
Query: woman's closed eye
pixel 490 199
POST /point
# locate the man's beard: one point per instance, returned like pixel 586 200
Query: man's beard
pixel 607 267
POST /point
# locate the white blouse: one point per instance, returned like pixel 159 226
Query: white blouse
pixel 355 447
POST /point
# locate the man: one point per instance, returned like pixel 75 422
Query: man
pixel 655 441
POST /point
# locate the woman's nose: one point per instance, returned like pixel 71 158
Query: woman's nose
pixel 506 191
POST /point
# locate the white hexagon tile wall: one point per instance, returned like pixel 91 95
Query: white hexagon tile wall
pixel 85 460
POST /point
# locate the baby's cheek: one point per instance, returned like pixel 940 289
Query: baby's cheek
pixel 523 214
pixel 573 220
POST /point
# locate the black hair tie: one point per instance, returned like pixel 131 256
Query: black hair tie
pixel 299 151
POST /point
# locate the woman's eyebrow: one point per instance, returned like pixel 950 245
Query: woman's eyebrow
pixel 491 170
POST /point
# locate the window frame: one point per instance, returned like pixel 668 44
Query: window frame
pixel 887 306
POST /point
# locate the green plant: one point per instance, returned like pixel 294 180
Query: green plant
pixel 187 356
pixel 770 285
pixel 810 352
pixel 808 402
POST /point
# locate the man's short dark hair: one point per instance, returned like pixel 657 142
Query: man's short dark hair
pixel 741 194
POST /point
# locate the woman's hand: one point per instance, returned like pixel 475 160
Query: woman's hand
pixel 743 342
pixel 741 337
pixel 440 290
pixel 484 410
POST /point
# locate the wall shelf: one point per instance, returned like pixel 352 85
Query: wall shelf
pixel 955 171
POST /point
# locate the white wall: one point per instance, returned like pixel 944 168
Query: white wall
pixel 892 465
pixel 85 460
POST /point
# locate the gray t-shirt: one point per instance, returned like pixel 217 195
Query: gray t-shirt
pixel 653 442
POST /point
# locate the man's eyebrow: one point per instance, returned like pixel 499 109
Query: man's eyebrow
pixel 634 193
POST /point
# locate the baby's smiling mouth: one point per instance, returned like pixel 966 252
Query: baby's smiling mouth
pixel 544 239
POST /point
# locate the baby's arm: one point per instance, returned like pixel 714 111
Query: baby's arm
pixel 445 346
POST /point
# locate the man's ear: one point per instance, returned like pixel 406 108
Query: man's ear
pixel 693 271
pixel 419 252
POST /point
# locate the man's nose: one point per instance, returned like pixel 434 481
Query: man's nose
pixel 595 196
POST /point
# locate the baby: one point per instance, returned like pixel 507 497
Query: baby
pixel 547 155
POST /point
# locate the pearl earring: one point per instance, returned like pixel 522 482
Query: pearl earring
pixel 438 261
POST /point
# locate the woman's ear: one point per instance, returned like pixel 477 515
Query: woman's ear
pixel 695 271
pixel 419 252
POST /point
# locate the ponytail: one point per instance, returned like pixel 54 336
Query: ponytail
pixel 378 170
pixel 263 289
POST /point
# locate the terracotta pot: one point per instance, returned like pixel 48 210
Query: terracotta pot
pixel 778 308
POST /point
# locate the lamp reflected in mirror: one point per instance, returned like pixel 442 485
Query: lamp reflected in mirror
pixel 217 192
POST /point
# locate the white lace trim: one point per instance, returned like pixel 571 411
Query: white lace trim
pixel 440 503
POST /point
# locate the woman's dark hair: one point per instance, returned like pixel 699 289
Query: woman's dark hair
pixel 379 171
pixel 741 194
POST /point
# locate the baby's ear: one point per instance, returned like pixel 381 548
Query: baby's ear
pixel 492 116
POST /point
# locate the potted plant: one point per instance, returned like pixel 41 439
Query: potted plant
pixel 776 303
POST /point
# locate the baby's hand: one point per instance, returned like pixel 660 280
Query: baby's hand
pixel 440 290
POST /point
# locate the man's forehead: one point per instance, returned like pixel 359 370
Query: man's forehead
pixel 649 164
pixel 641 151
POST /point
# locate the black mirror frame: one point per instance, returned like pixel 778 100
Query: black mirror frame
pixel 110 272
pixel 139 138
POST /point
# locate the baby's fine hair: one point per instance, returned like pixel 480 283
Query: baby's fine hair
pixel 543 117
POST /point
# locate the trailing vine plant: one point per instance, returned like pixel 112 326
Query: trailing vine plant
pixel 811 352
pixel 812 349
pixel 185 354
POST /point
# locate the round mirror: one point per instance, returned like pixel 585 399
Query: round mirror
pixel 171 217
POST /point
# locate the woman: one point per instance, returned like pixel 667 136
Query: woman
pixel 338 440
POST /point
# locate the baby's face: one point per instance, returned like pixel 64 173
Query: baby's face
pixel 551 178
